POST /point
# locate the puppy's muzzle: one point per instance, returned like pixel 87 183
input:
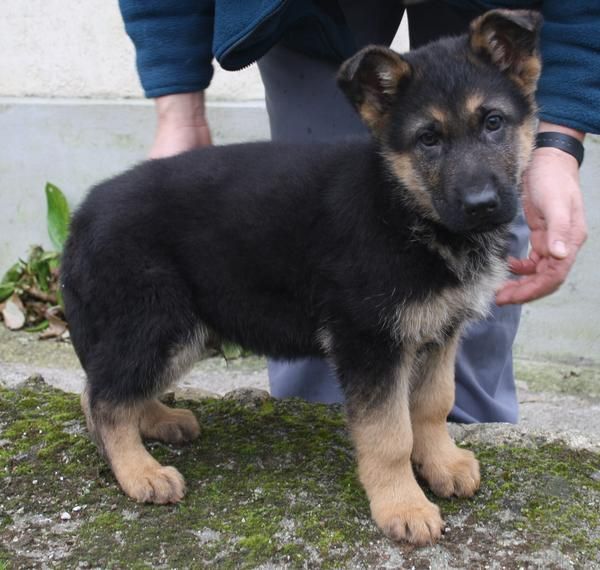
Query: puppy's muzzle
pixel 481 205
pixel 485 208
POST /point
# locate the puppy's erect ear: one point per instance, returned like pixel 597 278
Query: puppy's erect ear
pixel 509 38
pixel 370 79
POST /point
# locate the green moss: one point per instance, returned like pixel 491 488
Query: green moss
pixel 273 483
pixel 544 496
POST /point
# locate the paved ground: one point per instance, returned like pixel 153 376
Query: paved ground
pixel 553 398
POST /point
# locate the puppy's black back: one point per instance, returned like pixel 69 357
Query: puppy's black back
pixel 205 243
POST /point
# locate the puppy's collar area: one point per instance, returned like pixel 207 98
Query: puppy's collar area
pixel 465 255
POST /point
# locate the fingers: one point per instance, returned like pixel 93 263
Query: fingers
pixel 566 228
pixel 560 227
pixel 547 276
pixel 522 266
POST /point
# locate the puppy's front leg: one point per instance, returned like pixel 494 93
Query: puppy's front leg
pixel 381 430
pixel 448 469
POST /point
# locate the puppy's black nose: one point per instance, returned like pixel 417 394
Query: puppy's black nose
pixel 480 204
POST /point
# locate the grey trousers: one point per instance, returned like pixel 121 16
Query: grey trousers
pixel 305 105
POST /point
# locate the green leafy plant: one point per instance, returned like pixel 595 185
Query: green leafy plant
pixel 58 216
pixel 29 291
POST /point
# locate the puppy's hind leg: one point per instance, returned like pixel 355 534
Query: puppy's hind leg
pixel 176 426
pixel 121 409
pixel 117 433
pixel 170 425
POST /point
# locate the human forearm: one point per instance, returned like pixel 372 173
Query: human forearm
pixel 181 124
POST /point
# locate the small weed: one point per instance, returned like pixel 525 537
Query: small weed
pixel 30 296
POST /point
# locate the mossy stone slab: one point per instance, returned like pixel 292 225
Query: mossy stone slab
pixel 272 484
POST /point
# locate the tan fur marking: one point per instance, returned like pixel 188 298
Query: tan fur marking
pixel 160 422
pixel 527 75
pixel 439 114
pixel 138 473
pixel 423 321
pixel 391 73
pixel 479 41
pixel 448 469
pixel 383 440
pixel 390 68
pixel 403 168
pixel 473 103
pixel 526 136
pixel 371 116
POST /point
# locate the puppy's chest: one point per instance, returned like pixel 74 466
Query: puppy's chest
pixel 442 312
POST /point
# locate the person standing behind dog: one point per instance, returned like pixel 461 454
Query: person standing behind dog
pixel 299 46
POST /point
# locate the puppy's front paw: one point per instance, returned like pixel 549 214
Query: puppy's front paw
pixel 419 523
pixel 455 472
pixel 154 484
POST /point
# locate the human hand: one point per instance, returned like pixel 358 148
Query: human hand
pixel 182 124
pixel 553 206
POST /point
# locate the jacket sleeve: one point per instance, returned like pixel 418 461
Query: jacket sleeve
pixel 173 43
pixel 569 89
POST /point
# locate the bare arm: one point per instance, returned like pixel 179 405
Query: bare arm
pixel 181 124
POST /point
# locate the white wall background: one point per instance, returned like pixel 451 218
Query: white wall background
pixel 79 48
pixel 71 112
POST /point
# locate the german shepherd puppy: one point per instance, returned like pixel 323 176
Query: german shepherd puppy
pixel 372 254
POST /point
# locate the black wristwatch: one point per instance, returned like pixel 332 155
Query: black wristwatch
pixel 564 142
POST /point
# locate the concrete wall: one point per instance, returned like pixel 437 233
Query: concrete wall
pixel 55 48
pixel 71 112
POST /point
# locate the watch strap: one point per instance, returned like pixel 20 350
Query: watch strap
pixel 564 142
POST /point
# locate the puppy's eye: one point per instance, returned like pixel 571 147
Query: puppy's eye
pixel 493 122
pixel 429 138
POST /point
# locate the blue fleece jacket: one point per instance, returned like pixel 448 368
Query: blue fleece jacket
pixel 176 41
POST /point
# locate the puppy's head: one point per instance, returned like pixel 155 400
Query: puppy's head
pixel 456 118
